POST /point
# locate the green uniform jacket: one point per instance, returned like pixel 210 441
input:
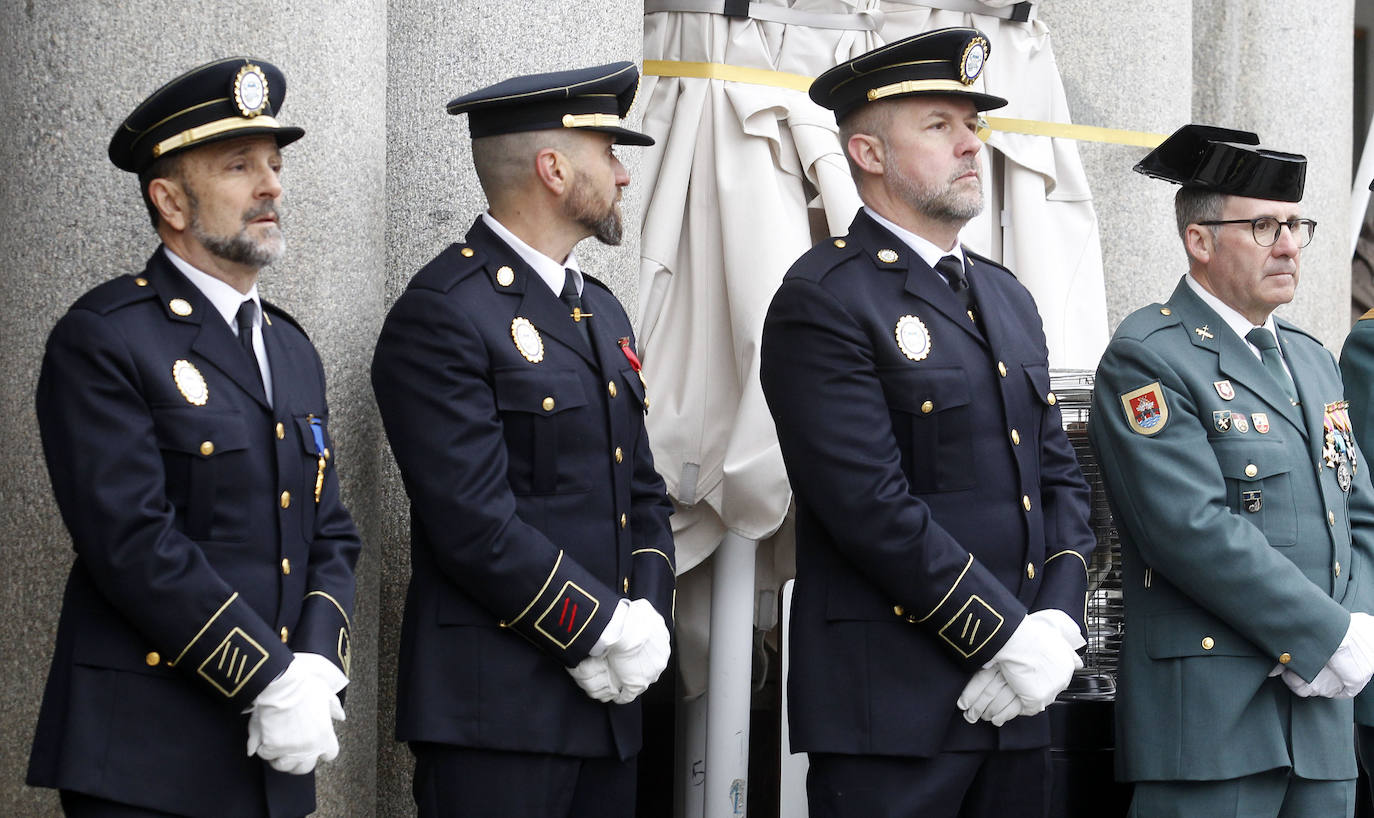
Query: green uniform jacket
pixel 1236 545
pixel 1357 370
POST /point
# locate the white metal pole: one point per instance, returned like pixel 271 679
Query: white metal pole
pixel 728 678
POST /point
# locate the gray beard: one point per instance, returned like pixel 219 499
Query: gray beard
pixel 945 204
pixel 238 248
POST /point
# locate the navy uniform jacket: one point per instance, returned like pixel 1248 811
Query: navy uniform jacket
pixel 938 499
pixel 203 559
pixel 1239 549
pixel 534 503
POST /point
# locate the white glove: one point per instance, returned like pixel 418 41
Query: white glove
pixel 987 696
pixel 594 676
pixel 291 723
pixel 1037 662
pixel 1348 670
pixel 639 653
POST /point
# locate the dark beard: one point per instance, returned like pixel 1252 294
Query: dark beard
pixel 606 226
pixel 238 248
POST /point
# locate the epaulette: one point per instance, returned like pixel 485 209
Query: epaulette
pixel 444 271
pixel 1146 321
pixel 1368 314
pixel 278 312
pixel 115 294
pixel 988 261
pixel 816 263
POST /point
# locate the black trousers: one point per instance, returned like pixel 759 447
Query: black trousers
pixel 456 782
pixel 991 784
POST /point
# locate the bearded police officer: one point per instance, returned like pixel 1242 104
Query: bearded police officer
pixel 204 633
pixel 1244 509
pixel 541 558
pixel 942 530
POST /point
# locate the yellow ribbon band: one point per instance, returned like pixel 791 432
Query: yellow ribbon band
pixel 800 82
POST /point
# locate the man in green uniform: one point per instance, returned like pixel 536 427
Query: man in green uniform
pixel 1243 509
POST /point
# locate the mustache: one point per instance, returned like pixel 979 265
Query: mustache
pixel 264 209
pixel 967 167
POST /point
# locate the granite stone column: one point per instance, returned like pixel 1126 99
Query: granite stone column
pixel 1128 65
pixel 437 51
pixel 1286 74
pixel 69 73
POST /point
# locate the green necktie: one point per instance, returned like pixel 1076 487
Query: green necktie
pixel 1269 353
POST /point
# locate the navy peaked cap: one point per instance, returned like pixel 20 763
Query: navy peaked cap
pixel 1223 160
pixel 946 61
pixel 233 97
pixel 593 99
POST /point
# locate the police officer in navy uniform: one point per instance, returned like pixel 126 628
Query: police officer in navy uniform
pixel 1245 510
pixel 541 557
pixel 204 634
pixel 942 522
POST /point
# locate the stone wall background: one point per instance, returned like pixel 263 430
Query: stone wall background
pixel 383 180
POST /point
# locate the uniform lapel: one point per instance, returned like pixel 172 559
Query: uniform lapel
pixel 1234 358
pixel 1305 378
pixel 921 281
pixel 279 363
pixel 215 342
pixel 991 300
pixel 538 303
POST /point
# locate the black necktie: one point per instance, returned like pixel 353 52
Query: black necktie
pixel 1269 353
pixel 953 271
pixel 248 311
pixel 570 297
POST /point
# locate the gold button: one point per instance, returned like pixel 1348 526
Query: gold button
pixel 1015 437
pixel 1051 399
pixel 1208 643
pixel 152 659
pixel 1165 311
pixel 625 583
pixel 646 403
pixel 1030 570
pixel 286 499
pixel 1284 658
pixel 619 455
pixel 623 520
pixel 548 404
pixel 1338 567
pixel 281 432
pixel 1251 470
pixel 839 243
pixel 283 634
pixel 610 387
pixel 1001 369
pixel 141 281
pixel 467 252
pixel 898 610
pixel 1331 517
pixel 285 565
pixel 927 408
pixel 1025 502
pixel 501 623
pixel 207 448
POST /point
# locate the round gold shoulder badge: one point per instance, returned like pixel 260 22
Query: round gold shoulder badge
pixel 975 57
pixel 505 276
pixel 190 383
pixel 527 340
pixel 250 90
pixel 180 306
pixel 887 256
pixel 912 337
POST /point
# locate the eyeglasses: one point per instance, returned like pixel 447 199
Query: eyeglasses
pixel 1266 229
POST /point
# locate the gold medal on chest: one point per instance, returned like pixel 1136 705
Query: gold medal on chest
pixel 190 383
pixel 527 340
pixel 913 339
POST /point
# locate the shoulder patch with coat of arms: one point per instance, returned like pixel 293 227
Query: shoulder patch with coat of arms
pixel 1146 411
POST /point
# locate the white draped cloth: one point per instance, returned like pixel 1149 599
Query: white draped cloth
pixel 746 177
